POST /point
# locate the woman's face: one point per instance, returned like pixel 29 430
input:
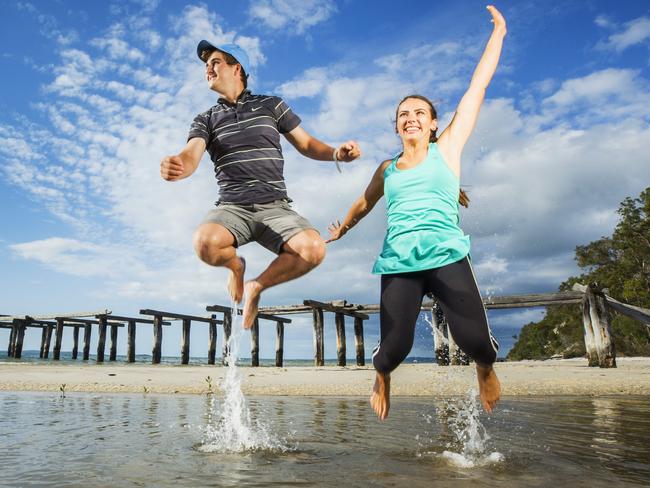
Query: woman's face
pixel 414 121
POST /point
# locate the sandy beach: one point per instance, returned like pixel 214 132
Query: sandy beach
pixel 553 377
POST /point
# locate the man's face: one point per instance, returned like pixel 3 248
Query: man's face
pixel 220 74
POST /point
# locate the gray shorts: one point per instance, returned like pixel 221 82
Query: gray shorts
pixel 271 224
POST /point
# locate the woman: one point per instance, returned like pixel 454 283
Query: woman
pixel 425 251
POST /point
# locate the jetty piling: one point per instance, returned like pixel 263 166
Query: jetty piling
pixel 595 304
pixel 341 309
pixel 227 329
pixel 158 316
pixel 131 332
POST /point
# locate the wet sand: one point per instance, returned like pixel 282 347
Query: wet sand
pixel 552 377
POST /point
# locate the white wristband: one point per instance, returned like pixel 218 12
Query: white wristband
pixel 336 159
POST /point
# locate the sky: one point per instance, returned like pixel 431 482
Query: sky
pixel 94 94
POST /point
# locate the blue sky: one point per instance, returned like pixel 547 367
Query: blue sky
pixel 95 93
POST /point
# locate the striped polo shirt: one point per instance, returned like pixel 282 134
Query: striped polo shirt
pixel 243 140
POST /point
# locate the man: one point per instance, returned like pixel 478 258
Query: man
pixel 242 135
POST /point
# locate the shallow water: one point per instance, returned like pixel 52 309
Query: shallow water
pixel 95 440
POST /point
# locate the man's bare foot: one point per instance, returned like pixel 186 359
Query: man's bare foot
pixel 252 293
pixel 489 387
pixel 236 281
pixel 380 398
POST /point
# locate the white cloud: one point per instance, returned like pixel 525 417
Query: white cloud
pixel 542 179
pixel 295 15
pixel 635 32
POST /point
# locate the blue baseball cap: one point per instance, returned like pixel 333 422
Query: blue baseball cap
pixel 233 49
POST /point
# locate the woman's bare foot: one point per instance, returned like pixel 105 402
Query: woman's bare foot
pixel 236 281
pixel 380 398
pixel 252 293
pixel 489 387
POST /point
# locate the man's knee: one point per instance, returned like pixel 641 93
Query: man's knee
pixel 314 251
pixel 209 245
pixel 309 246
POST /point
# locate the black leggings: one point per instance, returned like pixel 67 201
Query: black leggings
pixel 454 286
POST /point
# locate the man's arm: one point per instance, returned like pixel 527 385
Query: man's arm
pixel 309 146
pixel 183 164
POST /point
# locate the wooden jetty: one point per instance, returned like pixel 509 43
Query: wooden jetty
pixel 595 304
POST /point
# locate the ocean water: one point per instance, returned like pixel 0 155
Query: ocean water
pixel 31 356
pixel 135 440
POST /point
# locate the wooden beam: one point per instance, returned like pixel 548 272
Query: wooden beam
pixel 59 315
pixel 638 313
pixel 177 316
pixel 260 315
pixel 336 309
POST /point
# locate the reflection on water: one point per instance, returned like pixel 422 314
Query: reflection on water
pixel 147 440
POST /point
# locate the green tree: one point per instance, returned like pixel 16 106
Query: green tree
pixel 620 263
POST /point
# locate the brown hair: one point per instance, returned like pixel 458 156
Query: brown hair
pixel 463 198
pixel 230 61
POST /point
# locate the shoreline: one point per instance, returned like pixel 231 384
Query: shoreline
pixel 518 378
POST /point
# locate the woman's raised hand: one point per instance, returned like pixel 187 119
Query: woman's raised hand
pixel 336 231
pixel 497 19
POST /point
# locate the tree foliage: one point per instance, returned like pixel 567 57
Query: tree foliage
pixel 621 264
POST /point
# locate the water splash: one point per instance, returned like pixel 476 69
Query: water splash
pixel 469 437
pixel 230 428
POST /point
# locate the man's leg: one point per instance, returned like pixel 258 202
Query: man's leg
pixel 300 254
pixel 215 245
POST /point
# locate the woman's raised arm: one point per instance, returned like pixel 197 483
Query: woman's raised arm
pixel 455 136
pixel 361 206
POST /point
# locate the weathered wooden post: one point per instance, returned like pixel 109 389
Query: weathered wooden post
pixel 255 343
pixel 130 347
pixel 602 329
pixel 12 340
pixel 101 341
pixel 590 340
pixel 227 330
pixel 75 341
pixel 87 333
pixel 43 338
pixel 440 344
pixel 113 346
pixel 156 353
pixel 48 341
pixel 185 342
pixel 319 347
pixel 20 337
pixel 339 320
pixel 58 339
pixel 279 343
pixel 212 341
pixel 358 341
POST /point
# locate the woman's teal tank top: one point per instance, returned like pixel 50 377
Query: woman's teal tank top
pixel 422 211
